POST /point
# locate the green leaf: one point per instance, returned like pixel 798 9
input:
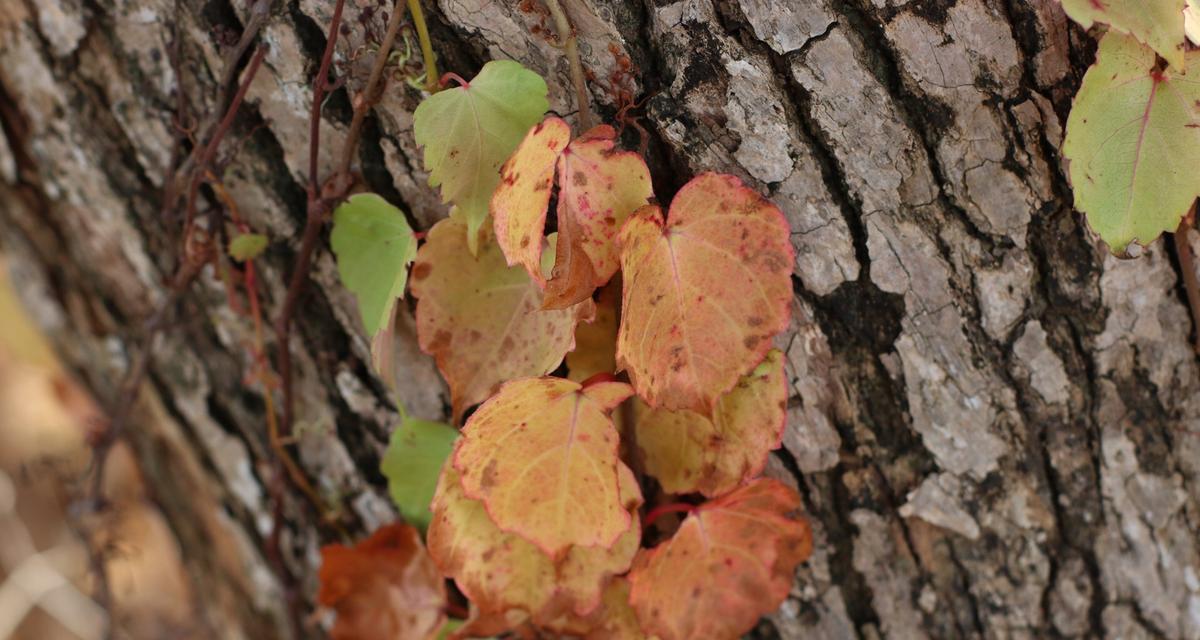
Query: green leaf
pixel 468 132
pixel 412 464
pixel 1158 23
pixel 374 246
pixel 247 246
pixel 1133 142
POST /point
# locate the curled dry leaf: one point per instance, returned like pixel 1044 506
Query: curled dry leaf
pixel 731 561
pixel 542 457
pixel 469 131
pixel 704 292
pixel 1158 23
pixel 598 188
pixel 384 587
pixel 520 202
pixel 482 320
pixel 1133 141
pixel 688 452
pixel 502 572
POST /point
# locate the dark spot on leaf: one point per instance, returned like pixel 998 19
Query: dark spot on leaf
pixel 421 270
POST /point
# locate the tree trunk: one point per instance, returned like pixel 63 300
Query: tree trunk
pixel 994 424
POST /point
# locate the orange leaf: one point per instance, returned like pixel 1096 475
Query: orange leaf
pixel 596 341
pixel 731 561
pixel 520 201
pixel 481 320
pixel 384 587
pixel 599 188
pixel 705 291
pixel 688 452
pixel 542 456
pixel 501 572
pixel 614 619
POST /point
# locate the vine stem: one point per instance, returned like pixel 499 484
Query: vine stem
pixel 566 35
pixel 663 509
pixel 1187 267
pixel 321 199
pixel 370 96
pixel 427 55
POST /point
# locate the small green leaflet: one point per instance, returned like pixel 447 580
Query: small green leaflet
pixel 247 246
pixel 1133 142
pixel 412 465
pixel 374 246
pixel 1157 23
pixel 468 132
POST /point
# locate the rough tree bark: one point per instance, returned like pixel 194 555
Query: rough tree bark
pixel 995 425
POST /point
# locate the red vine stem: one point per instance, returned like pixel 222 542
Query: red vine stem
pixel 450 75
pixel 1187 268
pixel 663 509
pixel 566 35
pixel 367 99
pixel 320 200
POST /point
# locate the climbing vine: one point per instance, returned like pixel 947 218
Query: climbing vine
pixel 620 497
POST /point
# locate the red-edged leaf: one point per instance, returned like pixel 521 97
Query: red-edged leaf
pixel 482 320
pixel 688 452
pixel 542 456
pixel 599 187
pixel 520 201
pixel 731 561
pixel 384 587
pixel 501 571
pixel 705 291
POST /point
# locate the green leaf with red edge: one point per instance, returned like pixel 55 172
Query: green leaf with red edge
pixel 501 572
pixel 704 292
pixel 1133 142
pixel 469 131
pixel 1157 23
pixel 687 452
pixel 482 320
pixel 520 202
pixel 384 587
pixel 598 188
pixel 731 561
pixel 542 457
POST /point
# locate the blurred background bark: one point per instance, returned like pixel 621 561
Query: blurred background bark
pixel 994 424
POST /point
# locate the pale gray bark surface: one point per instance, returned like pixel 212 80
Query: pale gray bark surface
pixel 995 426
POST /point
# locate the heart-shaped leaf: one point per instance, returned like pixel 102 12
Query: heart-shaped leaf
pixel 1158 23
pixel 1133 141
pixel 598 188
pixel 413 461
pixel 688 452
pixel 542 456
pixel 384 587
pixel 501 571
pixel 482 320
pixel 374 245
pixel 704 292
pixel 731 561
pixel 469 131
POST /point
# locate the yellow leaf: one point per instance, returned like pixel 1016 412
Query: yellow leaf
pixel 688 452
pixel 542 456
